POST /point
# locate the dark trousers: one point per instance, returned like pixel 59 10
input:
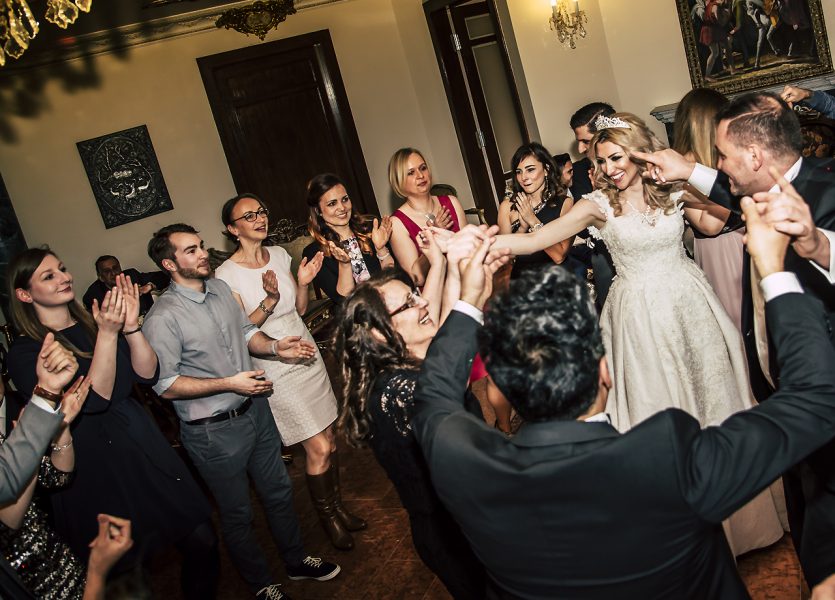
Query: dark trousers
pixel 224 454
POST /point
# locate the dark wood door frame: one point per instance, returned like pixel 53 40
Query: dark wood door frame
pixel 343 121
pixel 487 184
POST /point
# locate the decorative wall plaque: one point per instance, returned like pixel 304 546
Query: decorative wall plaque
pixel 125 176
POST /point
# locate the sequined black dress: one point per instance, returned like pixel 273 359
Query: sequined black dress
pixel 436 536
pixel 45 564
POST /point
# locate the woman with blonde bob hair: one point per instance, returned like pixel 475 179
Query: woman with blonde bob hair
pixel 411 181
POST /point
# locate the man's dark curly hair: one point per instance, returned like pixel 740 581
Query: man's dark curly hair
pixel 542 345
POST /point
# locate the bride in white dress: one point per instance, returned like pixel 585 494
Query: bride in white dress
pixel 669 341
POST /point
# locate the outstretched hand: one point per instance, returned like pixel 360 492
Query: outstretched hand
pixel 428 244
pixel 463 244
pixel 55 366
pixel 665 166
pixel 293 347
pixel 339 253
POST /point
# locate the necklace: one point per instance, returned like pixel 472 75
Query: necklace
pixel 650 217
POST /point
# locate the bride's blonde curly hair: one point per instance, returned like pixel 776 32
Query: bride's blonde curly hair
pixel 638 137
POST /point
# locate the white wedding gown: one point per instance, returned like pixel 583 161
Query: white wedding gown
pixel 670 343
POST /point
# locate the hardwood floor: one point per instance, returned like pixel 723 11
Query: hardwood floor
pixel 383 564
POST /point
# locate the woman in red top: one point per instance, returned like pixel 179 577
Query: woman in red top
pixel 411 180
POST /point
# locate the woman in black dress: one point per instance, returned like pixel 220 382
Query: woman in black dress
pixel 538 198
pixel 383 331
pixel 355 246
pixel 124 466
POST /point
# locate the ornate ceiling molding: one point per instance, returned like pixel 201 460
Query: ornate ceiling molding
pixel 144 33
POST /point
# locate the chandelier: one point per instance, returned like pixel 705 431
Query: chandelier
pixel 568 25
pixel 18 25
pixel 258 18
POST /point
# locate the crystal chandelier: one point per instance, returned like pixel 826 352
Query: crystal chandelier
pixel 18 25
pixel 568 25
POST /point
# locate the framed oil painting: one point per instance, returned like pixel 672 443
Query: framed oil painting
pixel 125 176
pixel 738 45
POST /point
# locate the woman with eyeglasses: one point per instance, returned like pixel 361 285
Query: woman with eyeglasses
pixel 383 331
pixel 302 401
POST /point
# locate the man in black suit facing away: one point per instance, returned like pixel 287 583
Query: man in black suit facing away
pixel 758 138
pixel 570 508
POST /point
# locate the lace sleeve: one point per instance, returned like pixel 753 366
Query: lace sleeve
pixel 600 200
pixel 398 399
pixel 50 478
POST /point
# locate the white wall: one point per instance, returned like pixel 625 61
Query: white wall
pixel 391 79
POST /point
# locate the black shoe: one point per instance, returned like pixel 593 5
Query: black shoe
pixel 313 568
pixel 271 592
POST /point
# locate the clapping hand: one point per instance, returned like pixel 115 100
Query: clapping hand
pixel 308 269
pixel 55 366
pixel 130 295
pixel 443 219
pixel 110 317
pixel 788 213
pixel 293 347
pixel 339 253
pixel 381 233
pixel 269 282
pixel 524 209
pixel 74 398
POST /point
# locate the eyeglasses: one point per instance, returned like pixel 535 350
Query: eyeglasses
pixel 251 217
pixel 411 300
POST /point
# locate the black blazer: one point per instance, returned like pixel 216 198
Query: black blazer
pixel 568 509
pixel 816 183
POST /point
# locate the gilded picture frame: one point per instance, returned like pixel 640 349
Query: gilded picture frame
pixel 767 42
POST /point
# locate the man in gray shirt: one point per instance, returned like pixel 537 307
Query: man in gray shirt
pixel 203 339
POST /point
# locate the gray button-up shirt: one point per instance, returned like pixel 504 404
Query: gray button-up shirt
pixel 202 335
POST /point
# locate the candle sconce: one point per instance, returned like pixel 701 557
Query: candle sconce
pixel 568 24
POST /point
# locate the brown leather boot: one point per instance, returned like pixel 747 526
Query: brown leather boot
pixel 351 522
pixel 323 494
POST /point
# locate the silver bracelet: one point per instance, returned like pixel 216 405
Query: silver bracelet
pixel 57 448
pixel 536 227
pixel 264 308
pixel 384 256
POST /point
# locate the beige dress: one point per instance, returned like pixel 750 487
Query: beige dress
pixel 302 401
pixel 670 343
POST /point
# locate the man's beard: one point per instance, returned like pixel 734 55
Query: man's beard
pixel 193 273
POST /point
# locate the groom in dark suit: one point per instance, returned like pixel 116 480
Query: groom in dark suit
pixel 758 137
pixel 570 508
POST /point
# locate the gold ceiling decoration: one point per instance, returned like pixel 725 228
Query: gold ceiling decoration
pixel 569 24
pixel 18 25
pixel 258 18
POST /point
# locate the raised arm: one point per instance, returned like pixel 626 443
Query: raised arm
pixel 406 253
pixel 583 214
pixel 142 357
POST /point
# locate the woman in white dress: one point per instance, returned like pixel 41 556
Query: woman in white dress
pixel 302 402
pixel 669 341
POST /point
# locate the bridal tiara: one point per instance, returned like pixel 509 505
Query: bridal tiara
pixel 603 122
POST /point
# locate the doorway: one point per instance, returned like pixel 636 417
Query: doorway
pixel 481 91
pixel 283 116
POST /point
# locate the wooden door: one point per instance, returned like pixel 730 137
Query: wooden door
pixel 283 116
pixel 481 92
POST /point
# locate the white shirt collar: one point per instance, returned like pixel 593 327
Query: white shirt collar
pixel 789 176
pixel 600 417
